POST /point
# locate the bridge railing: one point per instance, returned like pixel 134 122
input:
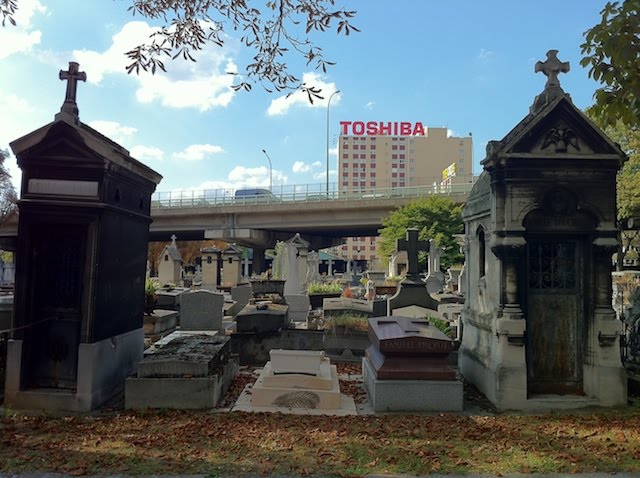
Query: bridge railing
pixel 299 193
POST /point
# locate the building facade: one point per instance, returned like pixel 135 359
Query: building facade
pixel 375 161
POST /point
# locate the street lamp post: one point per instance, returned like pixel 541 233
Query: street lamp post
pixel 328 105
pixel 270 170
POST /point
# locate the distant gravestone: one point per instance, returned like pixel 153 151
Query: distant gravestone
pixel 201 310
pixel 412 290
pixel 170 265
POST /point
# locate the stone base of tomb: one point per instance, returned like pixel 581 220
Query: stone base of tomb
pixel 102 369
pixel 185 370
pixel 295 390
pixel 404 395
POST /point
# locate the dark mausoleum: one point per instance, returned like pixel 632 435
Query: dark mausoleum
pixel 81 262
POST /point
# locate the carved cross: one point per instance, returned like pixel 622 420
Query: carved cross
pixel 551 68
pixel 73 75
pixel 173 239
pixel 412 245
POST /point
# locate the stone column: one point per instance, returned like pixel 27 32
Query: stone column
pixel 510 250
pixel 603 250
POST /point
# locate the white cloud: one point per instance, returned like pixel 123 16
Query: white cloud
pixel 281 105
pixel 114 130
pixel 323 175
pixel 147 153
pixel 243 177
pixel 485 55
pixel 370 105
pixel 451 133
pixel 333 151
pixel 21 38
pixel 302 167
pixel 198 152
pixel 202 84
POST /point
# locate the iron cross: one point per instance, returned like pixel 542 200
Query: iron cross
pixel 552 67
pixel 73 75
pixel 412 245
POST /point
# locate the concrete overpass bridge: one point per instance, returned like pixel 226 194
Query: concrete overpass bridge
pixel 259 220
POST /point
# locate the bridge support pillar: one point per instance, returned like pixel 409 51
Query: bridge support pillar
pixel 259 261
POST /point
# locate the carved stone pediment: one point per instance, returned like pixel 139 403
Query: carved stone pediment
pixel 558 131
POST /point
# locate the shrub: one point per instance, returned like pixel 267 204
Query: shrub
pixel 324 288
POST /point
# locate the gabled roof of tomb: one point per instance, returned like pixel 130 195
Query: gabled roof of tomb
pixel 553 129
pixel 173 252
pixel 63 139
pixel 232 249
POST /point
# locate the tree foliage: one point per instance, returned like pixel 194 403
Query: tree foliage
pixel 612 53
pixel 8 196
pixel 436 217
pixel 274 32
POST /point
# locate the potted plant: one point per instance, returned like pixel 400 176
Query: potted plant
pixel 151 286
pixel 318 291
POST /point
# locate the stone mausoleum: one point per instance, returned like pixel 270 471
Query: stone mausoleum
pixel 540 226
pixel 81 261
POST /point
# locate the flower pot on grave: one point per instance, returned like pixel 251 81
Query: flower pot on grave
pixel 316 299
pixel 150 302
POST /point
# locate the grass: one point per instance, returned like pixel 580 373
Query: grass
pixel 190 442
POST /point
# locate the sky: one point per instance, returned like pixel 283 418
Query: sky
pixel 461 64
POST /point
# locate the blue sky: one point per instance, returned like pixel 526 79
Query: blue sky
pixel 461 64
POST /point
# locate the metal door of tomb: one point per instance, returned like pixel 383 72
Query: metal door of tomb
pixel 58 260
pixel 555 309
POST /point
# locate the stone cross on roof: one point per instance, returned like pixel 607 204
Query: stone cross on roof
pixel 73 75
pixel 173 239
pixel 412 245
pixel 552 67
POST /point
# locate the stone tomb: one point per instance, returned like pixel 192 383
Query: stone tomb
pixel 299 379
pixel 407 367
pixel 185 370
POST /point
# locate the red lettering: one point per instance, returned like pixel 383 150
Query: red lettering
pixel 405 128
pixel 418 129
pixel 358 128
pixel 395 129
pixel 382 130
pixel 344 127
pixel 372 128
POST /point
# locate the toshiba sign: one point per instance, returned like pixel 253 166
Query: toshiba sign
pixel 374 128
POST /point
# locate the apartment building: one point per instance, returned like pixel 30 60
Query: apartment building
pixel 370 160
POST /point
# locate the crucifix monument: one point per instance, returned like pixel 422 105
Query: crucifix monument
pixel 412 291
pixel 73 75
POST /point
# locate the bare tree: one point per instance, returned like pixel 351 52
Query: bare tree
pixel 282 28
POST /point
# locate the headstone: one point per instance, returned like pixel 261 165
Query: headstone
pixel 82 248
pixel 8 273
pixel 262 318
pixel 197 275
pixel 407 368
pixel 201 310
pixel 240 295
pixel 313 267
pixel 295 266
pixel 170 265
pixel 412 290
pixel 298 307
pixel 462 281
pixel 541 228
pixel 451 282
pixel 185 370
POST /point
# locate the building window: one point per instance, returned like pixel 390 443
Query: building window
pixel 355 146
pixel 345 145
pixel 363 156
pixel 373 156
pixel 345 155
pixel 373 174
pixel 481 252
pixel 394 156
pixel 394 147
pixel 402 146
pixel 373 146
pixel 372 184
pixel 402 158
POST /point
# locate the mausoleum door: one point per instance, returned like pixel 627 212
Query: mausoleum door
pixel 58 270
pixel 555 309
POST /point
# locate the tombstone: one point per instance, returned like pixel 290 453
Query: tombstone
pixel 452 278
pixel 540 222
pixel 197 275
pixel 397 263
pixel 170 265
pixel 8 273
pixel 407 367
pixel 82 248
pixel 231 270
pixel 300 380
pixel 211 265
pixel 462 280
pixel 313 267
pixel 201 310
pixel 412 290
pixel 295 265
pixel 185 370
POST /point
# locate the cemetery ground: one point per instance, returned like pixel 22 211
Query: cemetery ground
pixel 478 440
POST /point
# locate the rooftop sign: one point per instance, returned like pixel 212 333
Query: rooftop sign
pixel 373 128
